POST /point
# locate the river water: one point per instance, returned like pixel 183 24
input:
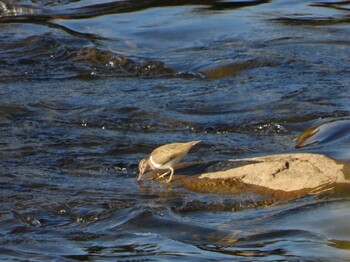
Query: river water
pixel 88 88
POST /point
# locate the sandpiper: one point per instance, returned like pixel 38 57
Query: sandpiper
pixel 165 157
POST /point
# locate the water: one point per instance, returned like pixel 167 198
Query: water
pixel 89 88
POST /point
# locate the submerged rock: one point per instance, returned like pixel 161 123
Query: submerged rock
pixel 324 133
pixel 285 174
pixel 221 70
pixel 102 62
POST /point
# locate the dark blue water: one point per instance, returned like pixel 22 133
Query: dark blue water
pixel 88 88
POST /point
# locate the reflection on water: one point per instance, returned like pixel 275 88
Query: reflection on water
pixel 89 88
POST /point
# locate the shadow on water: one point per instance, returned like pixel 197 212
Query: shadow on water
pixel 95 61
pixel 305 19
pixel 13 13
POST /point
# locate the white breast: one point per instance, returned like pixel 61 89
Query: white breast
pixel 167 165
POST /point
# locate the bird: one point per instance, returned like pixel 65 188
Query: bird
pixel 165 157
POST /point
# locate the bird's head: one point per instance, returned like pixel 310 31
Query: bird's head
pixel 143 168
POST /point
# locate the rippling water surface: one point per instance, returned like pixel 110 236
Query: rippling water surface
pixel 88 88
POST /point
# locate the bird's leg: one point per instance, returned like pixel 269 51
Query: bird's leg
pixel 171 170
pixel 163 175
pixel 171 174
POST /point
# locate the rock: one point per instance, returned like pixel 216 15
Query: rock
pixel 284 174
pixel 290 172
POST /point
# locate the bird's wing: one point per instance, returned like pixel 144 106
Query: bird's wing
pixel 169 152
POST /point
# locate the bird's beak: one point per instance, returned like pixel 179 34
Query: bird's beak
pixel 140 175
